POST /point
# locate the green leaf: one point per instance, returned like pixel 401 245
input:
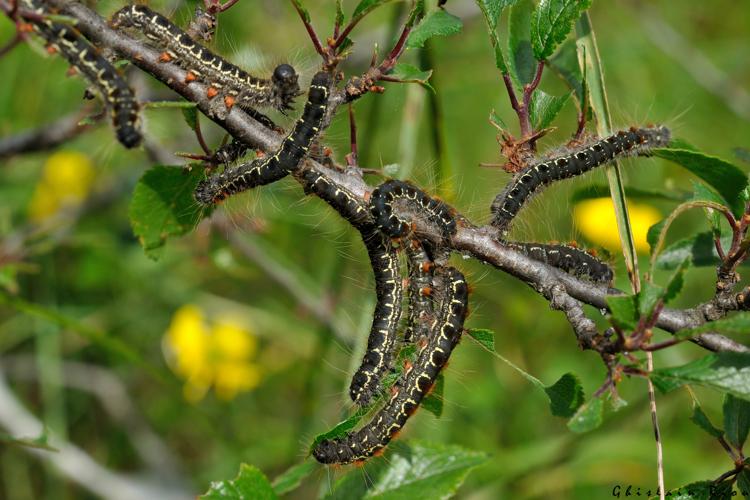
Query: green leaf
pixel 522 63
pixel 701 420
pixel 191 117
pixel 676 282
pixel 437 22
pixel 565 64
pixel 738 324
pixel 292 477
pixel 699 249
pixel 249 484
pixel 366 6
pixel 484 337
pixel 342 427
pixel 624 311
pixel 302 10
pixel 653 234
pixel 411 74
pixel 544 108
pixel 728 372
pixel 434 401
pixel 491 10
pixel 648 297
pixel 743 482
pixel 339 19
pixel 552 22
pixel 588 417
pixel 736 420
pixel 163 206
pixel 602 191
pixel 413 470
pixel 701 490
pixel 728 180
pixel 565 396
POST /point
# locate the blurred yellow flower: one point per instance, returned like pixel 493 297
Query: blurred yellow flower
pixel 596 221
pixel 66 181
pixel 217 355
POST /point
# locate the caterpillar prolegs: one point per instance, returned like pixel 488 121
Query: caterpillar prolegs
pixel 293 148
pixel 235 84
pixel 413 384
pixel 118 97
pixel 509 202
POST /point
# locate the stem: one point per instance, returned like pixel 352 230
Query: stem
pixel 310 31
pixel 352 158
pixel 199 136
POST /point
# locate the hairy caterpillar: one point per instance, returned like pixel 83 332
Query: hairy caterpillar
pixel 381 342
pixel 413 385
pixel 270 169
pixel 567 258
pixel 509 202
pixel 383 197
pixel 237 86
pixel 420 267
pixel 117 95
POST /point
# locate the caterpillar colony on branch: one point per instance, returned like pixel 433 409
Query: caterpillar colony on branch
pixel 414 383
pixel 118 97
pixel 234 84
pixel 535 177
pixel 384 261
pixel 293 149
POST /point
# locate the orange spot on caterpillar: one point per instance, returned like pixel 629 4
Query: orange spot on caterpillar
pixel 165 57
pixel 367 196
pixel 359 463
pixel 405 282
pixel 25 27
pixel 407 365
pixel 51 50
pixel 394 390
pixel 377 89
pixel 422 343
pixel 427 267
pixel 211 92
pixel 229 101
pixel 425 291
pixel 379 452
pixel 71 71
pixel 260 153
pixel 573 243
pixel 327 151
pixel 190 77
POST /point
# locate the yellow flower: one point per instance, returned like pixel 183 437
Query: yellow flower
pixel 204 355
pixel 596 221
pixel 66 181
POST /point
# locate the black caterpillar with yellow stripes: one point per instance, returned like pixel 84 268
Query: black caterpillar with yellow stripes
pixel 118 97
pixel 414 383
pixel 293 149
pixel 235 84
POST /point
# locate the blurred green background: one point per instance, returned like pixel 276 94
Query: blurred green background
pixel 282 354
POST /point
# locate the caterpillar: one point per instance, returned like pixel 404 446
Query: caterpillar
pixel 384 196
pixel 272 168
pixel 530 179
pixel 118 97
pixel 567 258
pixel 384 261
pixel 413 384
pixel 236 85
pixel 420 268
